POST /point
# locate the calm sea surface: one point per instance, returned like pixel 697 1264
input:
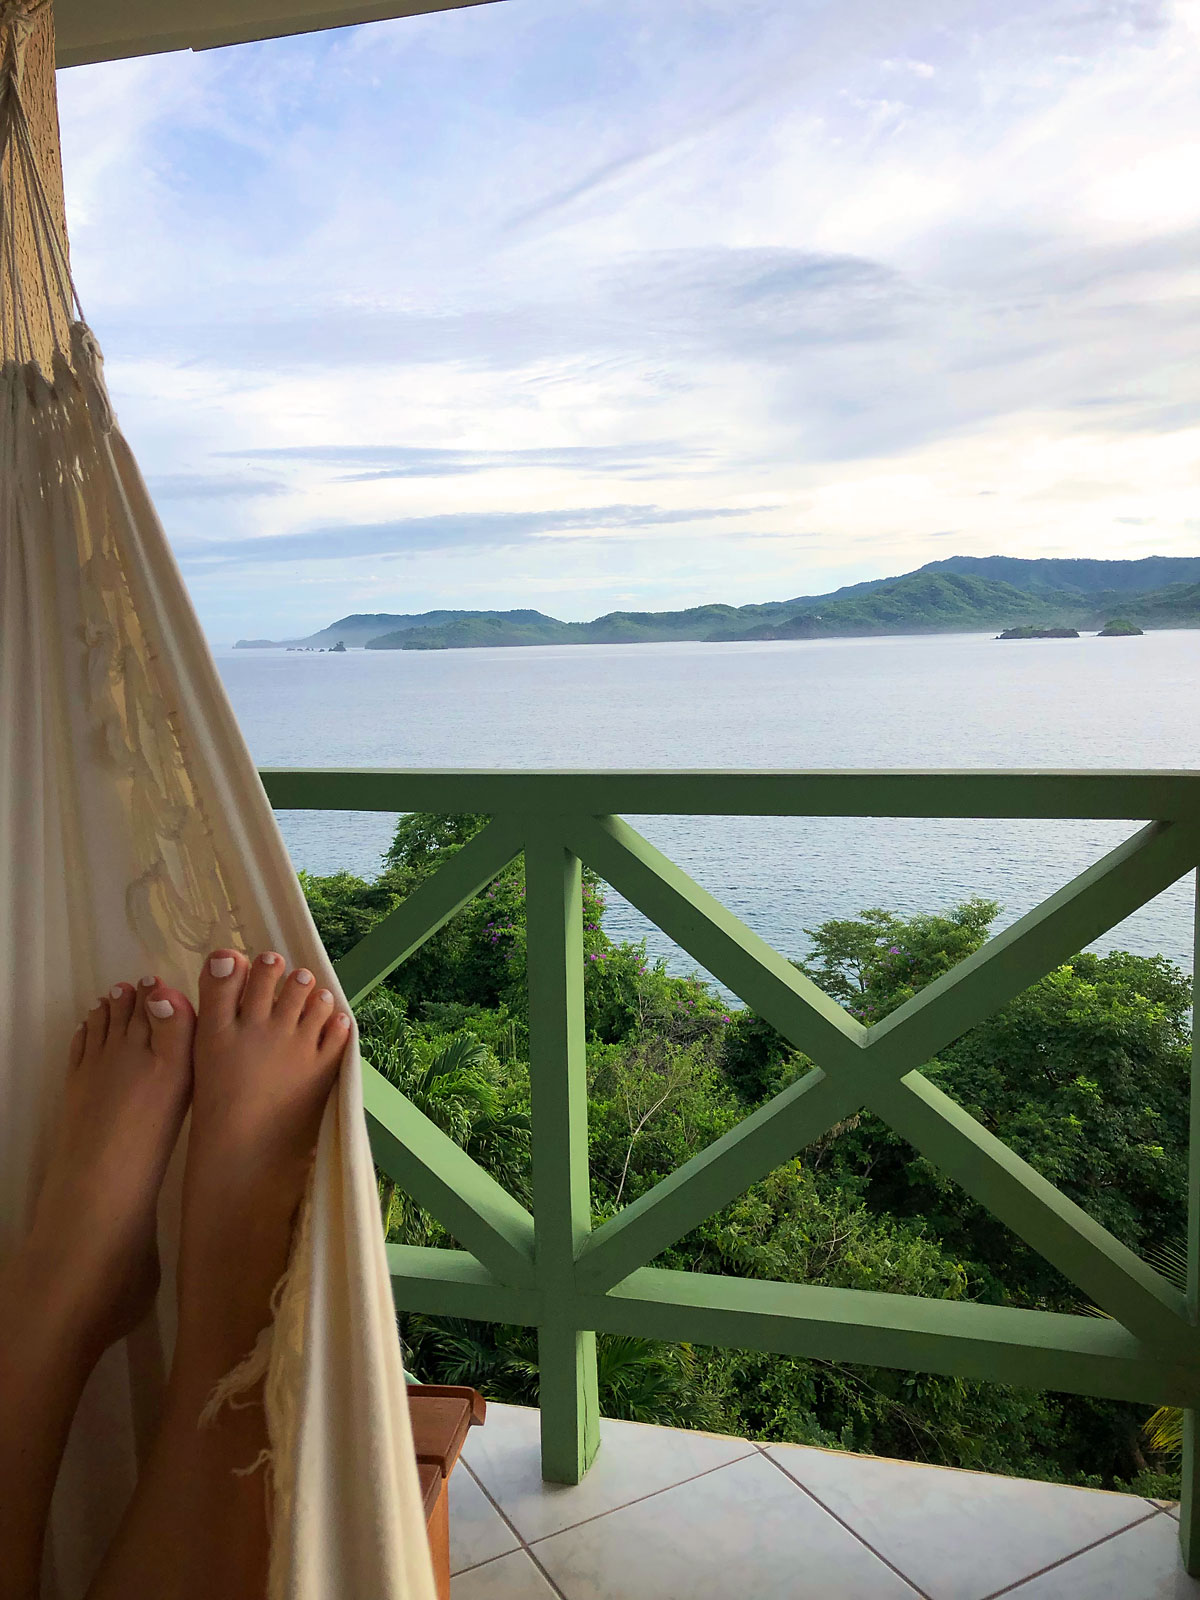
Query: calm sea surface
pixel 949 701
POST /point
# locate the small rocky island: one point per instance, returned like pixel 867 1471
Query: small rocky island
pixel 1120 628
pixel 1029 632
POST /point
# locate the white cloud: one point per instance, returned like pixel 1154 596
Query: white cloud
pixel 885 274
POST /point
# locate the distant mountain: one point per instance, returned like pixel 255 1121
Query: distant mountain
pixel 359 629
pixel 1176 606
pixel 958 594
pixel 1075 575
pixel 921 602
pixel 658 627
pixel 617 627
pixel 473 630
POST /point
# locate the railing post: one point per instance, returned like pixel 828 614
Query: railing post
pixel 1189 1507
pixel 561 1189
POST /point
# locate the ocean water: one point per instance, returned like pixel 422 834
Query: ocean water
pixel 946 701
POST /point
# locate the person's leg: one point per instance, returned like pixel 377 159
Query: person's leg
pixel 267 1054
pixel 87 1271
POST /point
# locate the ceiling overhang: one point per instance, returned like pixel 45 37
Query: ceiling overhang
pixel 108 30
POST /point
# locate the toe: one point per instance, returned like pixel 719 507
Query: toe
pixel 294 994
pixel 261 984
pixel 335 1036
pixel 78 1041
pixel 171 1021
pixel 96 1027
pixel 318 1008
pixel 122 998
pixel 137 1030
pixel 221 984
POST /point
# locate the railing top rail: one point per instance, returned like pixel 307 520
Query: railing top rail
pixel 1157 796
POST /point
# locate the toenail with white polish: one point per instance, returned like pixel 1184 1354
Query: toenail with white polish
pixel 303 977
pixel 117 992
pixel 148 983
pixel 342 1020
pixel 160 1008
pixel 221 966
pixel 270 960
pixel 325 996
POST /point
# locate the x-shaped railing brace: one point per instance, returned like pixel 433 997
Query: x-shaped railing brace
pixel 857 1067
pixel 874 1067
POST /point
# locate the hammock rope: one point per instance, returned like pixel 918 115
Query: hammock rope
pixel 178 892
pixel 18 19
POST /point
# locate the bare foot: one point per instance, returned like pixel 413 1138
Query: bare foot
pixel 268 1048
pixel 92 1240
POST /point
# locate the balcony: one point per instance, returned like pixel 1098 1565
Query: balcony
pixel 882 1526
pixel 664 1514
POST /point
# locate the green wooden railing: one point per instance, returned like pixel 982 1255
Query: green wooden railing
pixel 551 1270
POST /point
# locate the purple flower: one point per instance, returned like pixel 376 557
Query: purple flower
pixel 726 1019
pixel 894 950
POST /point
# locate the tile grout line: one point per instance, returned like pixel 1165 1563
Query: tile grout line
pixel 527 1544
pixel 1083 1550
pixel 516 1533
pixel 841 1521
pixel 994 1594
pixel 755 1448
pixel 640 1498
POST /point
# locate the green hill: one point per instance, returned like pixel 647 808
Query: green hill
pixel 482 628
pixel 961 594
pixel 358 629
pixel 657 627
pixel 1176 606
pixel 1075 575
pixel 475 630
pixel 1104 581
pixel 922 602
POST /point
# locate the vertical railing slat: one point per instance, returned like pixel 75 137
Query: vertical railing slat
pixel 1189 1508
pixel 570 1418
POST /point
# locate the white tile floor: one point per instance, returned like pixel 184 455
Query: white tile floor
pixel 669 1515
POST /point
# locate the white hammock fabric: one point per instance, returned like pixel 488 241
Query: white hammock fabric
pixel 134 836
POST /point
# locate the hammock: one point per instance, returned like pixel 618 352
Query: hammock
pixel 135 836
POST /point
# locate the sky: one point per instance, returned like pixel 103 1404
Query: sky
pixel 590 305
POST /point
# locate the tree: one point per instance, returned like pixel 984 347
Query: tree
pixel 874 963
pixel 453 1082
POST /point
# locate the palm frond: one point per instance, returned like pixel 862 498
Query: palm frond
pixel 1170 1258
pixel 1164 1431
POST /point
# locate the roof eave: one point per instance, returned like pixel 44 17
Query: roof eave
pixel 85 34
